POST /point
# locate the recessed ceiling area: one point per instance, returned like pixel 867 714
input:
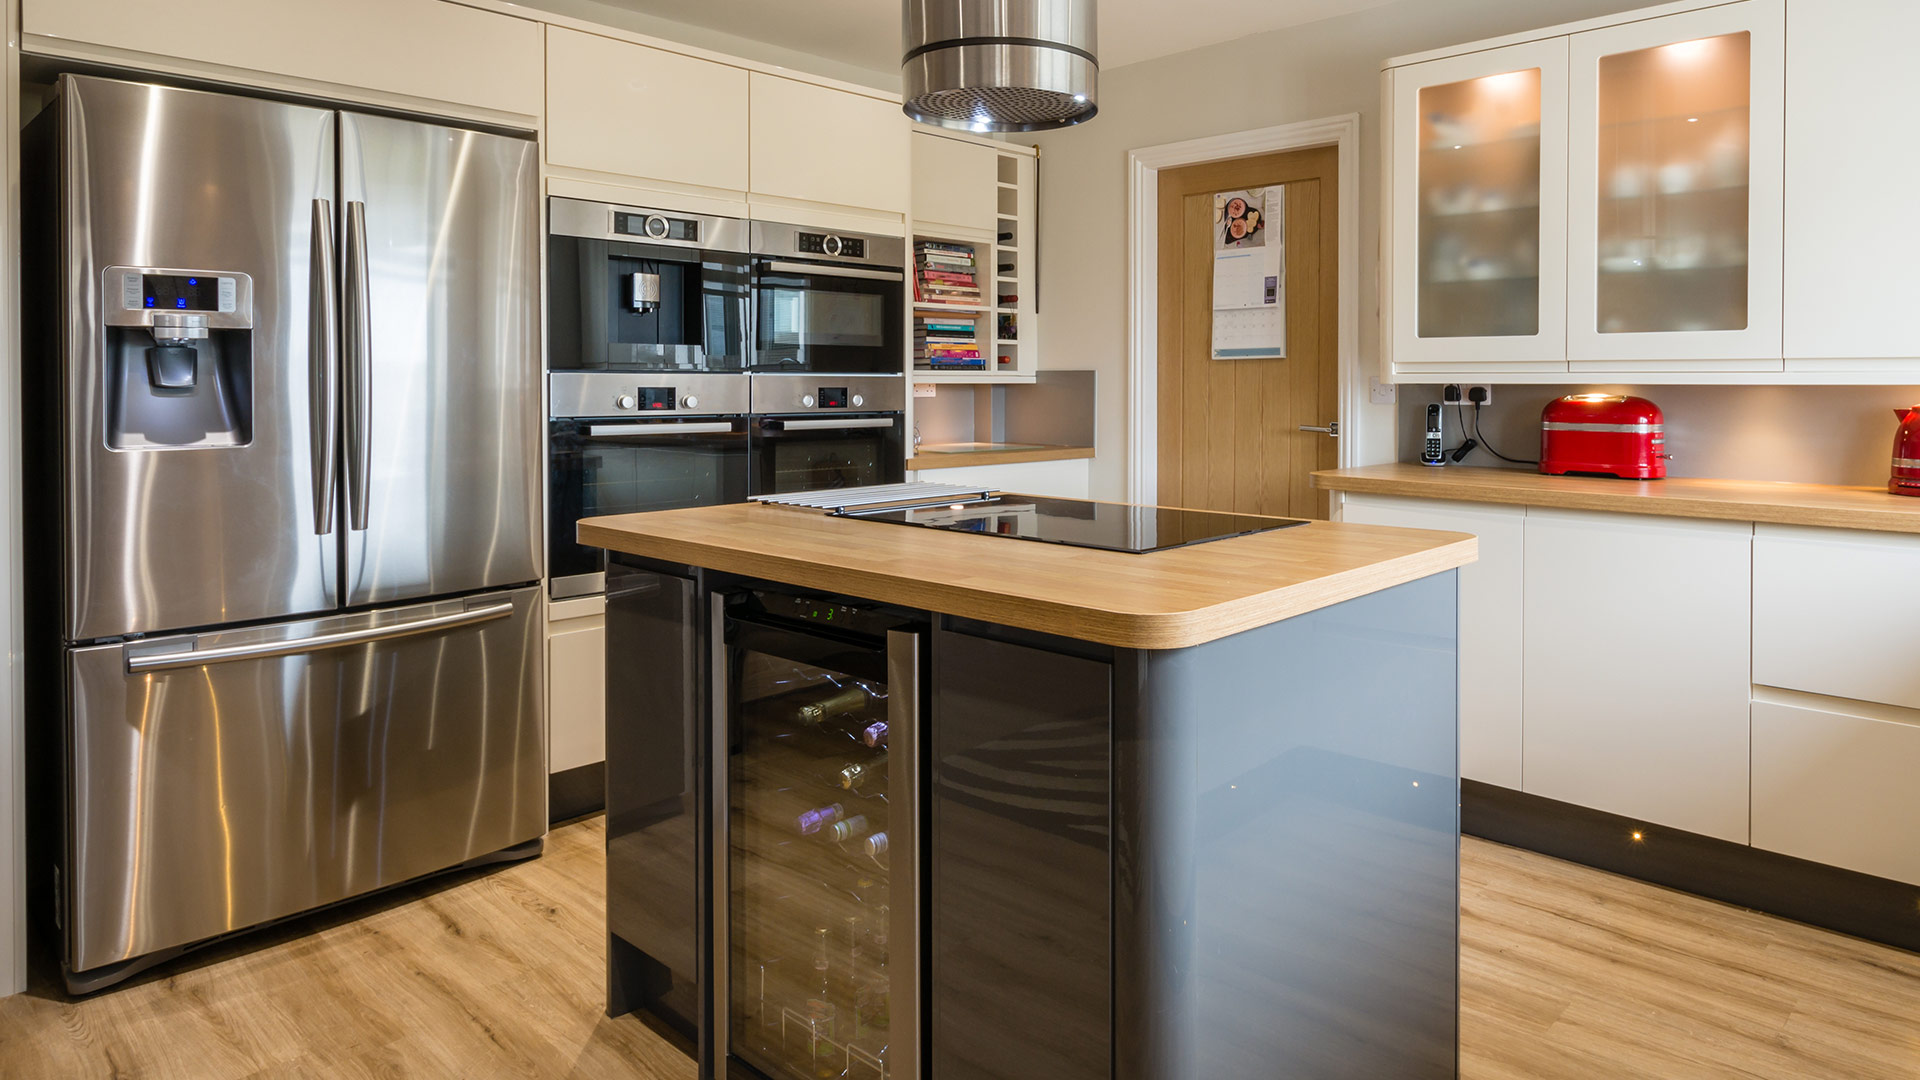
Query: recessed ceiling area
pixel 866 33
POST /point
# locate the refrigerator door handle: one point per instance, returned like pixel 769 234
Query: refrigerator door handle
pixel 173 657
pixel 322 359
pixel 358 330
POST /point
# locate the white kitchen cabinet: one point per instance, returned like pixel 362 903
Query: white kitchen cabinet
pixel 1490 623
pixel 1636 672
pixel 420 50
pixel 1479 205
pixel 827 147
pixel 576 683
pixel 955 185
pixel 1833 782
pixel 627 109
pixel 1674 218
pixel 1833 613
pixel 1852 220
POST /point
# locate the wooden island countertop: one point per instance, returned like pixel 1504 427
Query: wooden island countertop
pixel 1158 600
pixel 1823 505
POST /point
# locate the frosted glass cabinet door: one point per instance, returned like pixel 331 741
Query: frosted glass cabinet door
pixel 1676 231
pixel 1479 207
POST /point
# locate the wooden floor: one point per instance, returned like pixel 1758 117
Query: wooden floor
pixel 1566 973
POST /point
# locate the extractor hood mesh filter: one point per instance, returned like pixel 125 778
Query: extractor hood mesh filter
pixel 1000 65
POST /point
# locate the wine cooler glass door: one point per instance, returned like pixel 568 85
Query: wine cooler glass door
pixel 819 853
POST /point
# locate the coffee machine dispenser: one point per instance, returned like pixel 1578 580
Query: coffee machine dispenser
pixel 179 359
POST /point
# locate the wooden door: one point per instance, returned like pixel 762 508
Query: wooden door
pixel 1230 435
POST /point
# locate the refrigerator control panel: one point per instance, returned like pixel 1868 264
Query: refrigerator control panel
pixel 143 292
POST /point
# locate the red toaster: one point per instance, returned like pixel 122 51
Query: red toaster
pixel 1906 453
pixel 1606 435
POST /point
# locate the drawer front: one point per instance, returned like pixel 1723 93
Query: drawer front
pixel 1831 614
pixel 1838 783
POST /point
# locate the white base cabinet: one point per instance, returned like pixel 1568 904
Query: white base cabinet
pixel 1490 625
pixel 1636 672
pixel 1833 782
pixel 1833 613
pixel 576 683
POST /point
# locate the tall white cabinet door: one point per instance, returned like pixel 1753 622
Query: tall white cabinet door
pixel 1851 212
pixel 821 145
pixel 617 107
pixel 1490 626
pixel 1675 232
pixel 1636 673
pixel 955 184
pixel 1480 208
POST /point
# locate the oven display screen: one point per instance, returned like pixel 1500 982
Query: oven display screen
pixel 832 397
pixel 656 397
pixel 180 293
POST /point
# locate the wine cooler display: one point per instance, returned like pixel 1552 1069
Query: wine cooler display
pixel 817 816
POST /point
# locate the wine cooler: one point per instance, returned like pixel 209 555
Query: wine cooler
pixel 816 949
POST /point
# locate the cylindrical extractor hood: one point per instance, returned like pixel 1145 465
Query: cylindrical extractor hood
pixel 1000 65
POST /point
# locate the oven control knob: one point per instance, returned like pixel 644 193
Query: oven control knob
pixel 806 401
pixel 656 228
pixel 624 401
pixel 831 245
pixel 689 402
pixel 857 400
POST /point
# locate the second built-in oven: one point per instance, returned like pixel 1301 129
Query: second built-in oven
pixel 812 432
pixel 621 443
pixel 827 302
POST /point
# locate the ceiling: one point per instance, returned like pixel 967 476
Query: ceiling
pixel 866 33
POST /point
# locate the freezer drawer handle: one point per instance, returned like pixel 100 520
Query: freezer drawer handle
pixel 321 360
pixel 137 663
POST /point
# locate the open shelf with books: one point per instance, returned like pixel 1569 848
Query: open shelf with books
pixel 972 308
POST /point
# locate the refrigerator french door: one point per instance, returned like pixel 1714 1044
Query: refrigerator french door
pixel 296 381
pixel 816 947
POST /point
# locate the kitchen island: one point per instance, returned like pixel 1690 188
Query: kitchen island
pixel 898 802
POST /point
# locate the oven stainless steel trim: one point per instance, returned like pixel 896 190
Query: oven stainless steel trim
pixel 903 781
pixel 594 221
pixel 783 240
pixel 595 394
pixel 829 270
pixel 566 588
pixel 720 724
pixel 775 394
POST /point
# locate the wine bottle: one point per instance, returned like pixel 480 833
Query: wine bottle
pixel 812 821
pixel 876 734
pixel 851 829
pixel 854 773
pixel 876 844
pixel 846 701
pixel 821 1011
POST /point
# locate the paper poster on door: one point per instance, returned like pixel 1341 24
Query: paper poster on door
pixel 1249 273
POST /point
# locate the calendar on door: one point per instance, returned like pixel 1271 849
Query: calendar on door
pixel 1249 273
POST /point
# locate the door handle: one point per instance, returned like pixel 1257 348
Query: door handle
pixel 623 431
pixel 172 658
pixel 322 358
pixel 1332 429
pixel 834 271
pixel 815 425
pixel 358 331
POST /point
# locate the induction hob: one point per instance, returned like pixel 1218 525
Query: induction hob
pixel 1103 525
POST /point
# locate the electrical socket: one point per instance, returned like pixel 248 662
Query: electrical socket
pixel 1457 394
pixel 1380 393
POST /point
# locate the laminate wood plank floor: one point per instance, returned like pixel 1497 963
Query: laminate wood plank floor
pixel 1566 973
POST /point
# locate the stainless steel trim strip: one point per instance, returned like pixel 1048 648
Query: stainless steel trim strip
pixel 594 221
pixel 359 368
pixel 833 271
pixel 322 358
pixel 138 662
pixel 581 394
pixel 1906 463
pixel 811 425
pixel 641 428
pixel 566 588
pixel 1633 429
pixel 777 238
pixel 720 1000
pixel 903 785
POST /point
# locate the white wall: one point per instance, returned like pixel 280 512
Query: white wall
pixel 1300 73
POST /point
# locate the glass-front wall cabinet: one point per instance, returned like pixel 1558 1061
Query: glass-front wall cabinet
pixel 1481 183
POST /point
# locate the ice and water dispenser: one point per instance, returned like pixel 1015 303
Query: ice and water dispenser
pixel 179 358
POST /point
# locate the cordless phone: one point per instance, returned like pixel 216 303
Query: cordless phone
pixel 1431 452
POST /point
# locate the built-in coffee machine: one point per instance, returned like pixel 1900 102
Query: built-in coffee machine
pixel 179 358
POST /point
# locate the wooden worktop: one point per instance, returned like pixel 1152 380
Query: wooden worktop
pixel 1726 500
pixel 957 455
pixel 1158 600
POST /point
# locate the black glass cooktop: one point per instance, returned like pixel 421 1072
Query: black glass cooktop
pixel 1110 526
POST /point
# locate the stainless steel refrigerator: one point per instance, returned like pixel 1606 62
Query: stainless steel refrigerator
pixel 285 362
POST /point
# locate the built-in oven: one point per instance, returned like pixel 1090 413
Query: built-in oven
pixel 817 431
pixel 636 289
pixel 827 302
pixel 621 444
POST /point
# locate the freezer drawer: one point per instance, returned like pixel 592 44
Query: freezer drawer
pixel 229 779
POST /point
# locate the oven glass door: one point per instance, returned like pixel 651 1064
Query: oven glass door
pixel 626 467
pixel 813 454
pixel 833 319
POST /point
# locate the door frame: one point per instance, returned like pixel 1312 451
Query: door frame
pixel 1143 274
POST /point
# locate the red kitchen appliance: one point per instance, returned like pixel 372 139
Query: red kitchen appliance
pixel 1906 453
pixel 1607 435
